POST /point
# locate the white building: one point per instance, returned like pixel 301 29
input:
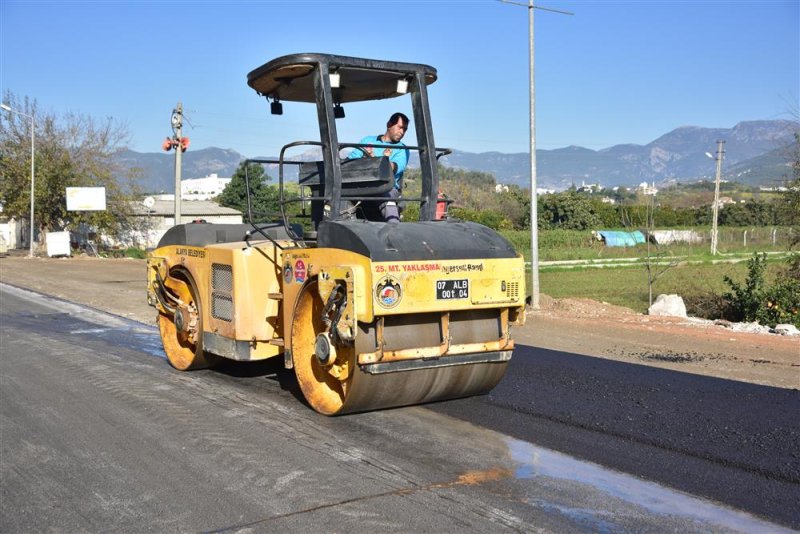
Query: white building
pixel 591 188
pixel 203 188
pixel 15 233
pixel 646 189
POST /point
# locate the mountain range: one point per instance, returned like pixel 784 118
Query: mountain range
pixel 755 154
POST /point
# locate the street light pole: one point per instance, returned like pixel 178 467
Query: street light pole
pixel 534 196
pixel 33 163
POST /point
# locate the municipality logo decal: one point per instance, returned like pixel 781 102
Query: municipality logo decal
pixel 388 292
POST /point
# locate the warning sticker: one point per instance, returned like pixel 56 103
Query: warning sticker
pixel 299 271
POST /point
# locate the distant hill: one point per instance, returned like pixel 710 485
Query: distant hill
pixel 770 169
pixel 753 155
pixel 157 169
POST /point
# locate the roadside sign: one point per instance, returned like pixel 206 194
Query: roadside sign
pixel 86 199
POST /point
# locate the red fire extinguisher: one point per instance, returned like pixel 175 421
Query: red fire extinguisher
pixel 441 207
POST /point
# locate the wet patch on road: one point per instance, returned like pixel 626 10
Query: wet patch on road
pixel 537 462
pixel 79 320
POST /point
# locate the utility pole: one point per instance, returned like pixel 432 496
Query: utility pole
pixel 177 125
pixel 714 231
pixel 33 174
pixel 534 196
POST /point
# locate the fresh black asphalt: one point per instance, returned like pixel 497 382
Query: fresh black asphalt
pixel 733 442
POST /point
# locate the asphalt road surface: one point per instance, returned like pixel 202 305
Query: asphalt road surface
pixel 98 433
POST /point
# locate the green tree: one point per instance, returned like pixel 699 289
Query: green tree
pixel 264 198
pixel 608 213
pixel 753 213
pixel 789 204
pixel 516 205
pixel 72 150
pixel 568 210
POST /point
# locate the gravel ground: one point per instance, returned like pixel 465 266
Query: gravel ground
pixel 570 325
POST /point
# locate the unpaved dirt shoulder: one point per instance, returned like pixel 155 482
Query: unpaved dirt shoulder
pixel 569 325
pixel 668 343
pixel 114 285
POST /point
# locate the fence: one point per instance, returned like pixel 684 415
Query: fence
pixel 755 237
pixel 578 244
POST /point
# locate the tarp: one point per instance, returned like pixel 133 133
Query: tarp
pixel 665 237
pixel 621 239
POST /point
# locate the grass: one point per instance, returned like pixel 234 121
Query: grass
pixel 697 281
pixel 560 245
pixel 627 286
pixel 135 253
pixel 130 252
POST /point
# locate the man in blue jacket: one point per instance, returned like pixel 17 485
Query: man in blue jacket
pixel 385 143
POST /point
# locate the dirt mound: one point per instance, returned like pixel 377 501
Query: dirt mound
pixel 573 307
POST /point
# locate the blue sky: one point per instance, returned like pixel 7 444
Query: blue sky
pixel 615 72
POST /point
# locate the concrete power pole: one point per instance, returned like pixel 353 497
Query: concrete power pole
pixel 177 125
pixel 714 231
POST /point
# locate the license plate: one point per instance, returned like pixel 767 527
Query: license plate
pixel 452 289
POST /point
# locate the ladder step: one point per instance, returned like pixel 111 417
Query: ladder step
pixel 275 296
pixel 277 341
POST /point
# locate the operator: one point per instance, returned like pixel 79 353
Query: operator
pixel 396 128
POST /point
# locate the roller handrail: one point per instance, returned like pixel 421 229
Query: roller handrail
pixel 283 201
pixel 249 206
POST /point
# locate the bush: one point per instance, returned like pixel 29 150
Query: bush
pixel 745 300
pixel 491 218
pixel 754 301
pixel 781 304
pixel 782 300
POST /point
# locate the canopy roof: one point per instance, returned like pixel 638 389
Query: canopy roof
pixel 290 77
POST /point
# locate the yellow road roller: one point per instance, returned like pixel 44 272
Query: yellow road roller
pixel 370 314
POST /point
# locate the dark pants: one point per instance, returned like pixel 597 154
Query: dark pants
pixel 389 209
